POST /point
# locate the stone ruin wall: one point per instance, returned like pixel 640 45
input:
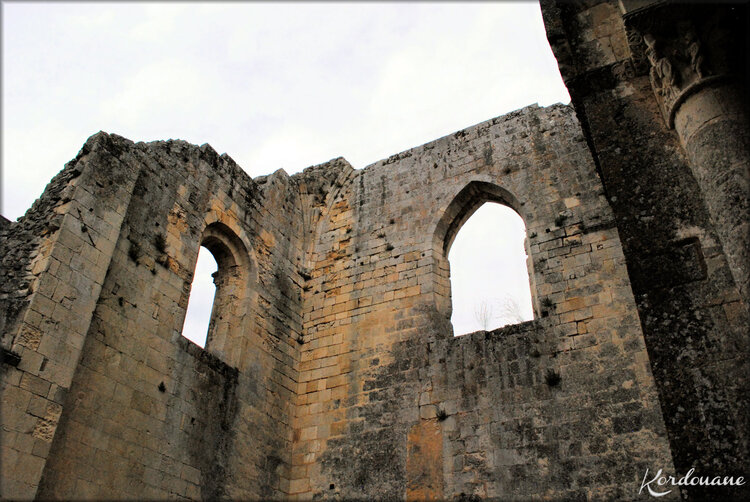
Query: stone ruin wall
pixel 331 369
pixel 145 411
pixel 675 161
pixel 336 372
pixel 391 404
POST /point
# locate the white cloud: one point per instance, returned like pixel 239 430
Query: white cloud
pixel 160 94
pixel 157 22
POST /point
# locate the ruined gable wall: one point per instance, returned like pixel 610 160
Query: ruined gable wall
pixel 694 321
pixel 342 377
pixel 148 413
pixel 382 379
pixel 65 242
pixel 25 244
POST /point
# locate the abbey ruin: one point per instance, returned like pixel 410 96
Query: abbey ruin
pixel 331 370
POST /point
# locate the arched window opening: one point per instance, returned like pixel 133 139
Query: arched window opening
pixel 488 271
pixel 200 303
pixel 229 285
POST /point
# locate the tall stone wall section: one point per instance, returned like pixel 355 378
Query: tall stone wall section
pixel 63 262
pixel 648 79
pixel 331 369
pixel 108 398
pixel 391 404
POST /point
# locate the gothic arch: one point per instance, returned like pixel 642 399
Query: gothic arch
pixel 234 280
pixel 458 211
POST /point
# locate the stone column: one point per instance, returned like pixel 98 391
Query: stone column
pixel 695 61
pixel 713 128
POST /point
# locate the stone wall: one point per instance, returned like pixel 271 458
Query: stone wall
pixel 391 404
pixel 331 369
pixel 70 235
pixel 141 410
pixel 682 217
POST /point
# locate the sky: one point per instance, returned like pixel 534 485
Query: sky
pixel 275 85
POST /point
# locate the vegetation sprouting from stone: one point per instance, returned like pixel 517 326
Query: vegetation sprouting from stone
pixel 160 242
pixel 552 378
pixel 134 251
pixel 441 414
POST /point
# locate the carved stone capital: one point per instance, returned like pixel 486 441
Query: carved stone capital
pixel 681 47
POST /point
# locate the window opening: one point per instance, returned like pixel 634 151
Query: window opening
pixel 488 271
pixel 201 300
pixel 232 294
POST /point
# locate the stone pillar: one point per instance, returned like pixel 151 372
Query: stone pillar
pixel 695 64
pixel 716 137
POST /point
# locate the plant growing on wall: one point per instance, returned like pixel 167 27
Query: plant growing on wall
pixel 483 314
pixel 160 243
pixel 552 378
pixel 510 312
pixel 134 252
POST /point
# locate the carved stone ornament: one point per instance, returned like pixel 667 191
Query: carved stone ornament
pixel 637 51
pixel 667 42
pixel 624 70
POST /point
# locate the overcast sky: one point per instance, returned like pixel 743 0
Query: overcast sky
pixel 283 85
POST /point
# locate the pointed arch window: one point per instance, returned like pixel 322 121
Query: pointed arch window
pixel 485 277
pixel 201 300
pixel 229 309
pixel 489 275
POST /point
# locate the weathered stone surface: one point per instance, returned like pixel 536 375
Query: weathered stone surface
pixel 331 369
pixel 330 360
pixel 680 199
